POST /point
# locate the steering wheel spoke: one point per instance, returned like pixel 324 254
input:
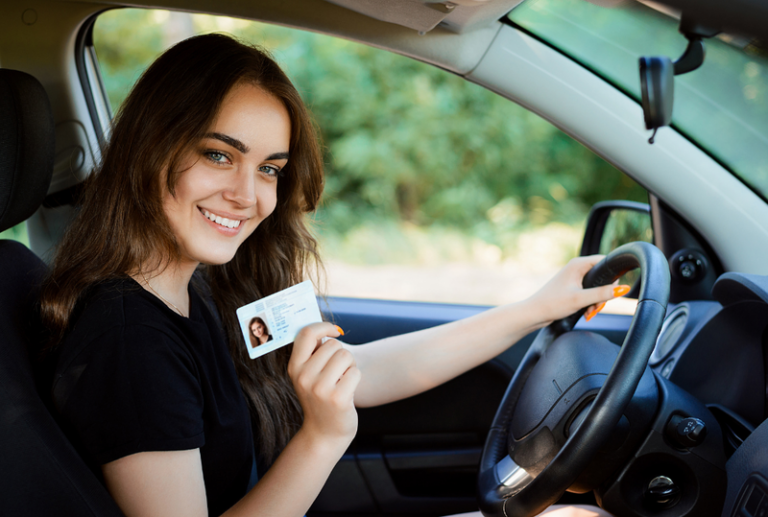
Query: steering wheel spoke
pixel 512 477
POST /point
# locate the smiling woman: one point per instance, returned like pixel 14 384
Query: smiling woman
pixel 196 172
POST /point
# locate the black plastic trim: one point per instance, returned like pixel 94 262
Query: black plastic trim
pixel 83 42
pixel 672 233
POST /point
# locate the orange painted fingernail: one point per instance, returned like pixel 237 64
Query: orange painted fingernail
pixel 620 290
pixel 591 314
pixel 339 329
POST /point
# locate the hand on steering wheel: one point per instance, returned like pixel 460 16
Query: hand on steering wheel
pixel 506 489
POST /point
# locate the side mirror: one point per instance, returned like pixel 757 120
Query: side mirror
pixel 613 223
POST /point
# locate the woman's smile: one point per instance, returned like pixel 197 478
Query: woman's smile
pixel 226 224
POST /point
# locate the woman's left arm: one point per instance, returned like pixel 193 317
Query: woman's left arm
pixel 402 366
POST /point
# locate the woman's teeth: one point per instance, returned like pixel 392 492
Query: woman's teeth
pixel 223 221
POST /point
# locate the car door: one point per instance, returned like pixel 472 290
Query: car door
pixel 419 456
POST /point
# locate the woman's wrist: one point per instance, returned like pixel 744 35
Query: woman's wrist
pixel 530 315
pixel 322 446
pixel 295 479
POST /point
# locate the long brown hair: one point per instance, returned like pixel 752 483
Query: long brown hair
pixel 171 108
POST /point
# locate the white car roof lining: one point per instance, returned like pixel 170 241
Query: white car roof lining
pixel 730 216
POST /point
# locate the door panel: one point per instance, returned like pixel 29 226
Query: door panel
pixel 419 456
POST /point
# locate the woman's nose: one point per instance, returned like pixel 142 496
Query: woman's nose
pixel 243 189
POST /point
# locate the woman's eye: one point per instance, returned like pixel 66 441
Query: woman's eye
pixel 270 170
pixel 217 157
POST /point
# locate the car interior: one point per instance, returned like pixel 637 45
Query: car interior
pixel 660 413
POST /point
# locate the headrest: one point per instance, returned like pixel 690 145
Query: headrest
pixel 27 141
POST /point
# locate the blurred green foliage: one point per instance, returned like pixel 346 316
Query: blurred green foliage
pixel 405 142
pixel 623 226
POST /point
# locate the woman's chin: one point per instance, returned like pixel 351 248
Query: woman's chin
pixel 218 259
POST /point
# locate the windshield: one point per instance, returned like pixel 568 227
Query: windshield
pixel 722 106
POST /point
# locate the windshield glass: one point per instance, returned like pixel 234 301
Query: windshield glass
pixel 722 106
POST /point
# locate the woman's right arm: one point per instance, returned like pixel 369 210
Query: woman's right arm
pixel 171 483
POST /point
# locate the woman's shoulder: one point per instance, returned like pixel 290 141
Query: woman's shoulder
pixel 109 312
pixel 117 331
pixel 116 303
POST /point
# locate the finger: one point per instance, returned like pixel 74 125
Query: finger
pixel 597 295
pixel 319 359
pixel 620 290
pixel 348 383
pixel 334 369
pixel 308 339
pixel 593 310
pixel 308 377
pixel 584 264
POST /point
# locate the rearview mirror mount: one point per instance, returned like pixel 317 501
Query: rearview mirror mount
pixel 657 86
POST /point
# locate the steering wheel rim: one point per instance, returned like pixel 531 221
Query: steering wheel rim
pixel 520 494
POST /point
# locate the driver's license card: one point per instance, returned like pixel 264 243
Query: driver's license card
pixel 274 320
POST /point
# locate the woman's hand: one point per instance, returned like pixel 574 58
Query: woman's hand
pixel 325 377
pixel 563 294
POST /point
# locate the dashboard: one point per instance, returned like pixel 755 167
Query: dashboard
pixel 715 350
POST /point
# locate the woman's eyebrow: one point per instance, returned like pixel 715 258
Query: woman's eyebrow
pixel 234 142
pixel 237 144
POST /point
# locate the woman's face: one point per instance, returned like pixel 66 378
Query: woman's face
pixel 257 329
pixel 230 185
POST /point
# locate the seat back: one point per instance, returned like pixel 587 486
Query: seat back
pixel 40 471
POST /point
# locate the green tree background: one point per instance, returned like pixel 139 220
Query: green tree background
pixel 407 145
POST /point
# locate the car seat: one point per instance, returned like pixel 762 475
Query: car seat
pixel 40 471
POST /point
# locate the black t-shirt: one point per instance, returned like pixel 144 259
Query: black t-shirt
pixel 134 376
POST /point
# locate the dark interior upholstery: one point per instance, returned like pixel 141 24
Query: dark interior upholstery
pixel 26 146
pixel 40 472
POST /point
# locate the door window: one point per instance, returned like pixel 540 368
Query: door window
pixel 437 189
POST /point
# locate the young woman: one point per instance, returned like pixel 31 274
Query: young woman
pixel 198 208
pixel 259 332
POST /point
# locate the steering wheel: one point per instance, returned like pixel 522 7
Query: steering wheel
pixel 505 489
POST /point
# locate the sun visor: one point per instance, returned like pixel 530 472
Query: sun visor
pixel 425 15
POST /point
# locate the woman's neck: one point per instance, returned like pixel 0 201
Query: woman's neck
pixel 170 284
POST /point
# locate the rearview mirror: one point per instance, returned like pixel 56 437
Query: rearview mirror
pixel 657 86
pixel 657 74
